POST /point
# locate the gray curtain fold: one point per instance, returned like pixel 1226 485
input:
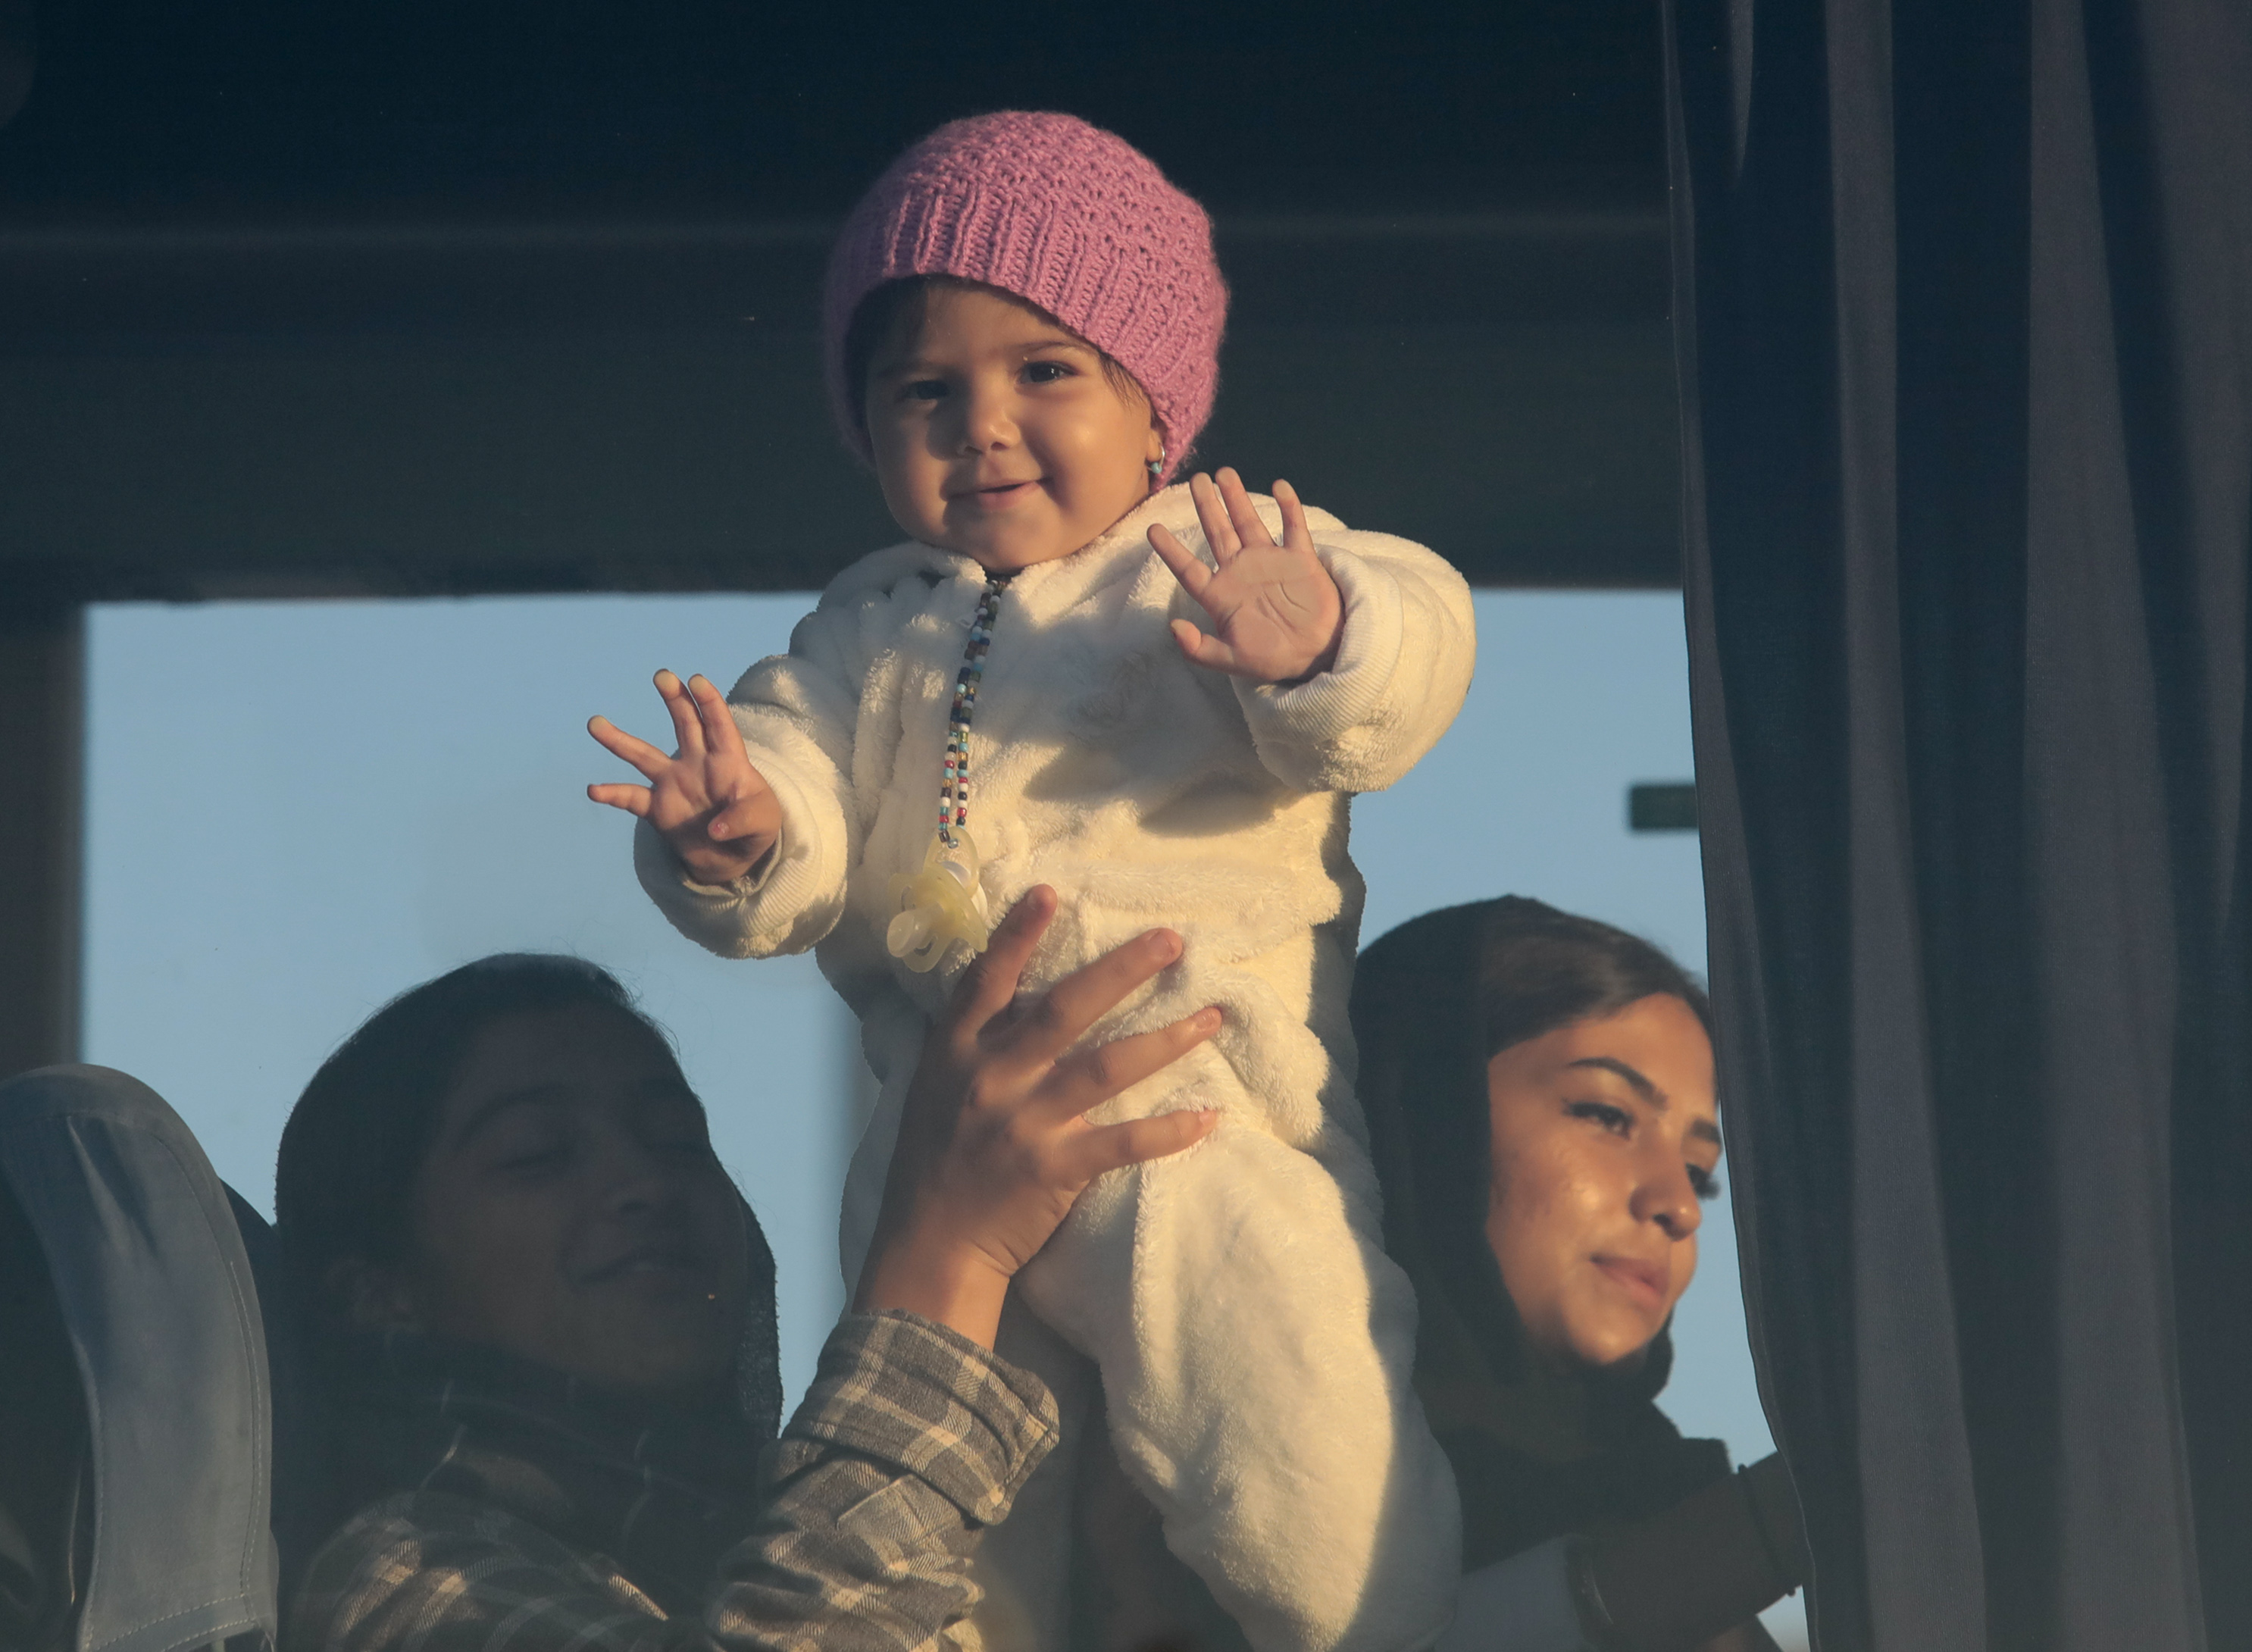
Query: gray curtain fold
pixel 1964 311
pixel 156 1292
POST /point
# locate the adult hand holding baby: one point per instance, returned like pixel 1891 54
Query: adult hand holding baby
pixel 1276 611
pixel 705 800
pixel 994 1143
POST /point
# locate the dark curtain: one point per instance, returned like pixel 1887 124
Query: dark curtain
pixel 1964 305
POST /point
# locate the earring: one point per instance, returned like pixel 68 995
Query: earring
pixel 1158 464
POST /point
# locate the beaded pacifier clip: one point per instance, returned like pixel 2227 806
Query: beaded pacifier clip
pixel 944 901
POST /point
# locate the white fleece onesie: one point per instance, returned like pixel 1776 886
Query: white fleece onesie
pixel 1255 1343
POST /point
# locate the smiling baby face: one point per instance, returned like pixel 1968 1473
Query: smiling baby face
pixel 999 433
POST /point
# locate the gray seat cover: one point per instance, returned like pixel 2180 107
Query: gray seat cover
pixel 164 1318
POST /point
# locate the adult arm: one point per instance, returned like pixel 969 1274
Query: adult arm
pixel 910 1442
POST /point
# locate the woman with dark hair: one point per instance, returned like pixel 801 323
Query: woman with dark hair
pixel 1539 1089
pixel 544 1319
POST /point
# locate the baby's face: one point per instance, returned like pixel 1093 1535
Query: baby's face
pixel 997 433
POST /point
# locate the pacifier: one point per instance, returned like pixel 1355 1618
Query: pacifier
pixel 940 905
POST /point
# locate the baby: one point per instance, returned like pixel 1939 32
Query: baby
pixel 1157 699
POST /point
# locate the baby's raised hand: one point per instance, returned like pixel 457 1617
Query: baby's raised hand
pixel 1275 612
pixel 715 809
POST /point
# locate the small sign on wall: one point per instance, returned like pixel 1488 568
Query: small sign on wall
pixel 1662 806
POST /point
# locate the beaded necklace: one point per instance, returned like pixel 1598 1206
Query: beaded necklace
pixel 943 903
pixel 954 782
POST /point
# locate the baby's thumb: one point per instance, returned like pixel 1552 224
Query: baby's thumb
pixel 1200 647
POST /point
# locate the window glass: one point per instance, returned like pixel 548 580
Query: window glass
pixel 298 810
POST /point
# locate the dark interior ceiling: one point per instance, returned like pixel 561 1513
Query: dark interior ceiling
pixel 299 297
pixel 150 109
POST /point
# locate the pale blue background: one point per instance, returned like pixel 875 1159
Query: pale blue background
pixel 297 810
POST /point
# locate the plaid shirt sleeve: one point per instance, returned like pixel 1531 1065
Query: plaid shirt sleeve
pixel 911 1440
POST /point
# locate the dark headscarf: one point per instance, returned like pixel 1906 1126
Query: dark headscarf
pixel 1537 1451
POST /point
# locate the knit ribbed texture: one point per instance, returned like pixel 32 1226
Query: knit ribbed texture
pixel 1067 216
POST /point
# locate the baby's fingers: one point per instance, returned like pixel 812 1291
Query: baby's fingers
pixel 1187 566
pixel 1113 1147
pixel 716 729
pixel 1295 533
pixel 1093 1077
pixel 1211 514
pixel 614 741
pixel 1242 515
pixel 732 823
pixel 687 731
pixel 634 800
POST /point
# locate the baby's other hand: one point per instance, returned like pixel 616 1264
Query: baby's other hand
pixel 994 1144
pixel 716 811
pixel 1275 612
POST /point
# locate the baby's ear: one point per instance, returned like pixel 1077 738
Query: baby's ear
pixel 1153 450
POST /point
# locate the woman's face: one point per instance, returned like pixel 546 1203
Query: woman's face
pixel 1604 1139
pixel 571 1211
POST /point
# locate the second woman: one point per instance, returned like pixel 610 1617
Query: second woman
pixel 1540 1099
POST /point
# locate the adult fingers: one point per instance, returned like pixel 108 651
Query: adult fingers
pixel 1089 1080
pixel 1084 996
pixel 1203 649
pixel 1212 515
pixel 614 741
pixel 1295 533
pixel 1240 511
pixel 687 731
pixel 1113 1147
pixel 634 800
pixel 1187 566
pixel 989 986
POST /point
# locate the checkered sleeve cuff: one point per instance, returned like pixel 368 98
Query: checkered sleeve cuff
pixel 903 1390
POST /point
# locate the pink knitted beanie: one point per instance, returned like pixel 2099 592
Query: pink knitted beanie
pixel 1065 215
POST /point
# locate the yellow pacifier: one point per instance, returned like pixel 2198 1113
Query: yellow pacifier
pixel 940 905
